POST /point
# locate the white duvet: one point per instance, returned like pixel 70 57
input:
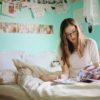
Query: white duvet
pixel 40 90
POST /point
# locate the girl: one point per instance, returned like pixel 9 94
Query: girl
pixel 77 51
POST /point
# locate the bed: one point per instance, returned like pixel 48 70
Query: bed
pixel 13 92
pixel 51 91
pixel 58 91
pixel 46 90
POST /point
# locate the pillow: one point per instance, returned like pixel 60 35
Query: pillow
pixel 43 60
pixel 7 77
pixel 37 71
pixel 6 60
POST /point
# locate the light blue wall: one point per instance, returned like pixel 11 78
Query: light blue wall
pixel 32 43
pixel 37 43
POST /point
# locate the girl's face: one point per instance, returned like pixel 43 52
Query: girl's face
pixel 71 34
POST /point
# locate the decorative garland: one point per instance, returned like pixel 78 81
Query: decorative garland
pixel 25 28
pixel 37 7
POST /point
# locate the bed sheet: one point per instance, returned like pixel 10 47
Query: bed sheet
pixel 13 91
pixel 51 91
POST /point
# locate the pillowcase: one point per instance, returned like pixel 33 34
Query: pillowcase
pixel 7 77
pixel 6 60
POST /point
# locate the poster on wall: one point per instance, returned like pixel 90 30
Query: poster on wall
pixel 25 28
pixel 38 7
pixel 8 9
pixel 37 10
pixel 78 15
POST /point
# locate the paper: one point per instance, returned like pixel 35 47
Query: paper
pixel 61 7
pixel 37 10
pixel 63 81
pixel 78 15
pixel 47 7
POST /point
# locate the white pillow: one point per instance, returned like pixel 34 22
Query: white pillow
pixel 43 60
pixel 7 77
pixel 6 60
pixel 22 66
pixel 36 71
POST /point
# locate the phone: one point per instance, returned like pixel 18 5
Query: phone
pixel 86 81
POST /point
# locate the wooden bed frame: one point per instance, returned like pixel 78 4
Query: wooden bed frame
pixel 5 97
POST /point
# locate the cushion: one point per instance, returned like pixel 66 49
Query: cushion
pixel 6 60
pixel 43 60
pixel 37 71
pixel 7 77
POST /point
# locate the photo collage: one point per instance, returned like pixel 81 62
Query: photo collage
pixel 38 7
pixel 25 28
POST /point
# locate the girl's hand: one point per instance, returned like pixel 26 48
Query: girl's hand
pixel 89 68
pixel 63 76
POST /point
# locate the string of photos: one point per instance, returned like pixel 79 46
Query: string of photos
pixel 38 7
pixel 25 28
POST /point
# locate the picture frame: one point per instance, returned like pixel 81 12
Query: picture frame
pixel 8 9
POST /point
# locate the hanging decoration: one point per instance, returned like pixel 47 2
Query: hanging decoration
pixel 37 7
pixel 91 13
pixel 10 8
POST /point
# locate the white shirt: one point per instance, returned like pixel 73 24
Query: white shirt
pixel 91 56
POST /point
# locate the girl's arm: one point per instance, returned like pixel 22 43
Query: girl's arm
pixel 65 71
pixel 64 75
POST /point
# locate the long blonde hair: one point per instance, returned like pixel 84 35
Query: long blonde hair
pixel 66 46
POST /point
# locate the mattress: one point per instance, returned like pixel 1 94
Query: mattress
pixel 13 92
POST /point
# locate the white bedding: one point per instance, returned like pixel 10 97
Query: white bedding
pixel 48 91
pixel 13 91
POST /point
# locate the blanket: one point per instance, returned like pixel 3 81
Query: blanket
pixel 40 90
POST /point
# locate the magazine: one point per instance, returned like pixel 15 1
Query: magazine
pixel 64 81
pixel 89 75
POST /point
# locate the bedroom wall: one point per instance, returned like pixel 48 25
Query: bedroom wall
pixel 96 30
pixel 32 43
pixel 38 43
